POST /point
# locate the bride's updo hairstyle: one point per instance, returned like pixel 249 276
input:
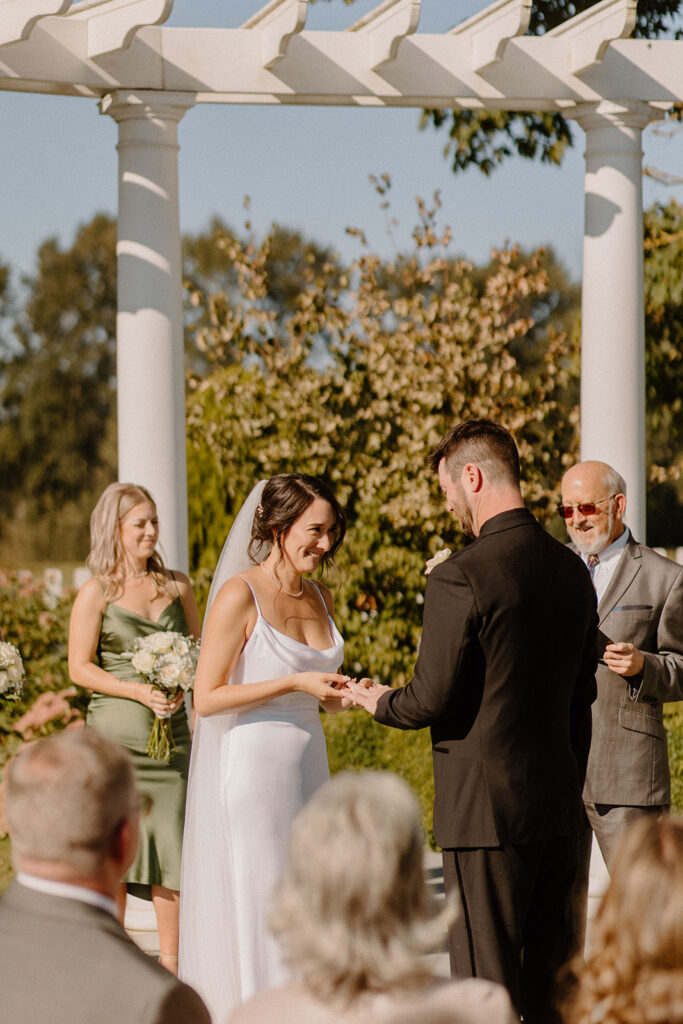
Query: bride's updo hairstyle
pixel 352 911
pixel 106 551
pixel 286 497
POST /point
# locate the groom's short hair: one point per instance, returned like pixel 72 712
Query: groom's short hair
pixel 484 443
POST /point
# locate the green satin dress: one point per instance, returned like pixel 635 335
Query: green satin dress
pixel 129 723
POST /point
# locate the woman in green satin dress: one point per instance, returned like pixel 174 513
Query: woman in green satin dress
pixel 132 595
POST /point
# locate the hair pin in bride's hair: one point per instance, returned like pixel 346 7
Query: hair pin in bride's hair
pixel 259 509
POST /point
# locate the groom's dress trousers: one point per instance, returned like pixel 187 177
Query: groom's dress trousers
pixel 505 678
pixel 640 601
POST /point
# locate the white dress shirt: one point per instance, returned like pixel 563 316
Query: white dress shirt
pixel 607 562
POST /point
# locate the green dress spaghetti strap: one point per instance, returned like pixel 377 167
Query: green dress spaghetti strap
pixel 129 723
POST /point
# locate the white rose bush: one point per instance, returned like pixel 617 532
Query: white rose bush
pixel 11 671
pixel 168 661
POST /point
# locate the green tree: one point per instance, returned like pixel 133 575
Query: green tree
pixel 57 395
pixel 664 371
pixel 411 348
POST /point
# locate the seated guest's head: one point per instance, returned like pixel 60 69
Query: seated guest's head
pixel 634 966
pixel 353 912
pixel 72 810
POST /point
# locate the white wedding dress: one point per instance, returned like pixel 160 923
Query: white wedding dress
pixel 250 774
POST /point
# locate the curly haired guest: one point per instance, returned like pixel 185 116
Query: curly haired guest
pixel 634 970
pixel 354 918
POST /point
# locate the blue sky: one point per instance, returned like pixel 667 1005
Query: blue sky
pixel 306 168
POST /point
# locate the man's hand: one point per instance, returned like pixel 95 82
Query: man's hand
pixel 365 694
pixel 624 659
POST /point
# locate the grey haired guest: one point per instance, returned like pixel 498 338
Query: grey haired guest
pixel 72 810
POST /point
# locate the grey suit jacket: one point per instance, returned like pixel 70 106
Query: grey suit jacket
pixel 628 763
pixel 66 962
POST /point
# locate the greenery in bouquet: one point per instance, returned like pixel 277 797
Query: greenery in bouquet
pixel 168 661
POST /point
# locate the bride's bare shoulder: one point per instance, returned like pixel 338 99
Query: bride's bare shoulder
pixel 235 595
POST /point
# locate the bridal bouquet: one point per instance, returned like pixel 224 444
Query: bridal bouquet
pixel 11 671
pixel 168 661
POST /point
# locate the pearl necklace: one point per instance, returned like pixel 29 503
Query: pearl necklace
pixel 277 583
pixel 136 575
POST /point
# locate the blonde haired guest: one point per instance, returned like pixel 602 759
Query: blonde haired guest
pixel 133 595
pixel 634 970
pixel 355 918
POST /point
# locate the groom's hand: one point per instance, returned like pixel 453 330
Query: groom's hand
pixel 366 694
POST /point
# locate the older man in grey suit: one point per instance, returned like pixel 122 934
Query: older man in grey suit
pixel 640 608
pixel 72 810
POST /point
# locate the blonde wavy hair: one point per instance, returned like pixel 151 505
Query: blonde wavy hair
pixel 106 552
pixel 634 972
pixel 353 912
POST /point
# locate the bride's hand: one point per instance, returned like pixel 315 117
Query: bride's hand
pixel 322 685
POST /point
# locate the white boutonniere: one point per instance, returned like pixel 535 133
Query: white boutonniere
pixel 437 559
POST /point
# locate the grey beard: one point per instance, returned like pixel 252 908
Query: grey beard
pixel 595 546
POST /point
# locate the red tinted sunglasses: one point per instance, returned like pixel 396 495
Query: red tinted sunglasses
pixel 586 508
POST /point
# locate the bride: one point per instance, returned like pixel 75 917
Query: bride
pixel 269 659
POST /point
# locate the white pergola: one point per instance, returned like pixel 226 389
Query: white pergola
pixel 147 77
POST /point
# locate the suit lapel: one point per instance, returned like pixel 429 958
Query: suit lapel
pixel 626 571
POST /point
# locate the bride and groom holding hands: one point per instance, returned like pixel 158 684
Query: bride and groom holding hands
pixel 504 679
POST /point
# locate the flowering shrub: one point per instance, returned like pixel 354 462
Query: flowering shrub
pixel 35 619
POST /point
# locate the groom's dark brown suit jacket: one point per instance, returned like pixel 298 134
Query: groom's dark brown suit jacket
pixel 505 678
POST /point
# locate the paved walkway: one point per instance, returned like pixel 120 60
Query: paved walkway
pixel 141 924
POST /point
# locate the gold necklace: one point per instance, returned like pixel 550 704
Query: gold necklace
pixel 283 589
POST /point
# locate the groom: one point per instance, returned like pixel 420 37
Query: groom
pixel 505 679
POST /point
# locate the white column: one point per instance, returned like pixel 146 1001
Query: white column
pixel 613 317
pixel 150 370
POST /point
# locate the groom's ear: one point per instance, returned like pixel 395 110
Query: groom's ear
pixel 471 478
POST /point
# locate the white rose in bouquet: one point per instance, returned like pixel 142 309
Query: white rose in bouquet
pixel 169 674
pixel 160 643
pixel 144 662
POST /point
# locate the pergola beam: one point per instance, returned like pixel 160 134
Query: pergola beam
pixel 112 24
pixel 386 27
pixel 18 17
pixel 276 24
pixel 591 32
pixel 333 68
pixel 492 29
